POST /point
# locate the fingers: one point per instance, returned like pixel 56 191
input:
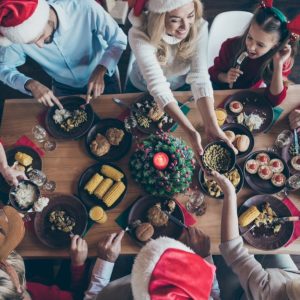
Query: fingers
pixel 89 92
pixel 74 242
pixel 57 102
pixel 118 238
pixel 110 238
pixel 234 74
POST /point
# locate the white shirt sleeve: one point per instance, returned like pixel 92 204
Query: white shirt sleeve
pixel 215 290
pixel 100 278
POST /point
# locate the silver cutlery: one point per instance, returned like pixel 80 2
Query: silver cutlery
pixel 239 61
pixel 174 219
pixel 296 141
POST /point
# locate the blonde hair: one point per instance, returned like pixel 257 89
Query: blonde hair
pixel 155 28
pixel 7 290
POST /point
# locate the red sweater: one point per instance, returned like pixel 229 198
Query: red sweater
pixel 249 67
pixel 40 291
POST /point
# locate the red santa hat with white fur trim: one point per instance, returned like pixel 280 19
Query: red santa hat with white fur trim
pixel 168 269
pixel 22 21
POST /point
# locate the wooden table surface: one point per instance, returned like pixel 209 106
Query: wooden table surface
pixel 70 159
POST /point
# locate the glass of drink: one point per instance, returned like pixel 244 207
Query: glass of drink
pixel 40 179
pixel 40 135
pixel 283 139
pixel 293 183
pixel 196 203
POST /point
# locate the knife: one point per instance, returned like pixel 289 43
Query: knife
pixel 174 219
pixel 296 142
pixel 239 61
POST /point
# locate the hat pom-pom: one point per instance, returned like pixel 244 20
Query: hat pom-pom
pixel 136 21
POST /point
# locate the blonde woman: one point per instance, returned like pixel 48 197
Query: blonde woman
pixel 169 42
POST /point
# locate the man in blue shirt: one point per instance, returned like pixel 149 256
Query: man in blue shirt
pixel 79 47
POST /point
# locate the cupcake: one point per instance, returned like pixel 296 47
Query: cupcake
pixel 236 107
pixel 276 165
pixel 295 162
pixel 263 159
pixel 278 179
pixel 252 166
pixel 265 172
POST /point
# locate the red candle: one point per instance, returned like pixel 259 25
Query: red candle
pixel 160 160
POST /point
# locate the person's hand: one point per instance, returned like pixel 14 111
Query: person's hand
pixel 42 94
pixel 281 56
pixel 294 118
pixel 197 241
pixel 224 183
pixel 109 246
pixel 232 75
pixel 12 176
pixel 78 251
pixel 195 140
pixel 96 83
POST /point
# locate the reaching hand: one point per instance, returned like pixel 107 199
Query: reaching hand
pixel 109 246
pixel 42 94
pixel 195 140
pixel 282 55
pixel 294 119
pixel 197 240
pixel 12 176
pixel 224 183
pixel 96 83
pixel 78 251
pixel 233 74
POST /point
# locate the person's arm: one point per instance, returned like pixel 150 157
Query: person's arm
pixel 108 248
pixel 294 118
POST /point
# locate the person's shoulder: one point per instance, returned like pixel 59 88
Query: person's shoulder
pixel 75 4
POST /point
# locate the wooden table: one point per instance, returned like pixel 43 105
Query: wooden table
pixel 69 160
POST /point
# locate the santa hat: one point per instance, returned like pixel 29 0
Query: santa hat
pixel 22 21
pixel 162 6
pixel 167 269
pixel 293 289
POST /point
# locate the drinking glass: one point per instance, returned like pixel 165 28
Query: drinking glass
pixel 40 135
pixel 293 183
pixel 130 124
pixel 40 179
pixel 283 139
pixel 196 203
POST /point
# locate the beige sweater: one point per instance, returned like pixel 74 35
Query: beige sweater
pixel 258 283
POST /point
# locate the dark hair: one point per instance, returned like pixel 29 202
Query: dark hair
pixel 269 22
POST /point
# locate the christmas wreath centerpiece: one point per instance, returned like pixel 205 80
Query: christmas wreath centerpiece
pixel 163 165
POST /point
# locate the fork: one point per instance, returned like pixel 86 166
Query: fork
pixel 133 225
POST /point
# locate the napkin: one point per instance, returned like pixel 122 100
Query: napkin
pixel 25 141
pixel 295 212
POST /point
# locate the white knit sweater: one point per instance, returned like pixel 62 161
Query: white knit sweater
pixel 148 74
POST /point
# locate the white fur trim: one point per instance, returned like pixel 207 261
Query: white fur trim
pixel 136 21
pixel 293 289
pixel 4 42
pixel 161 6
pixel 31 28
pixel 146 261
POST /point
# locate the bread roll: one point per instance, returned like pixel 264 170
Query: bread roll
pixel 231 135
pixel 242 143
pixel 144 232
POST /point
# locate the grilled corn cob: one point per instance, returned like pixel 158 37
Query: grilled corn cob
pixel 112 172
pixel 93 183
pixel 23 159
pixel 249 216
pixel 114 193
pixel 103 187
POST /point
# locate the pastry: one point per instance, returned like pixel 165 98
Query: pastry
pixel 230 135
pixel 156 216
pixel 155 113
pixel 263 159
pixel 114 136
pixel 100 146
pixel 252 166
pixel 23 159
pixel 276 165
pixel 265 172
pixel 278 179
pixel 295 162
pixel 242 143
pixel 236 107
pixel 144 232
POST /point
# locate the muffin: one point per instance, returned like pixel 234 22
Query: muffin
pixel 278 179
pixel 236 107
pixel 276 165
pixel 144 232
pixel 114 136
pixel 263 159
pixel 252 166
pixel 100 146
pixel 295 162
pixel 242 143
pixel 230 135
pixel 265 172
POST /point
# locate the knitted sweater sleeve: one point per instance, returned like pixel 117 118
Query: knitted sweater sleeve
pixel 149 66
pixel 198 77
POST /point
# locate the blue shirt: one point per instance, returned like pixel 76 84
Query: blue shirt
pixel 86 37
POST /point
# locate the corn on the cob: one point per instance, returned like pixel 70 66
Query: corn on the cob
pixel 112 172
pixel 93 183
pixel 114 193
pixel 248 216
pixel 103 187
pixel 23 159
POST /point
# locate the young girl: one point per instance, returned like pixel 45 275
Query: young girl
pixel 271 44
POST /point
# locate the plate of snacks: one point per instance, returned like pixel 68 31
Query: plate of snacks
pixel 152 222
pixel 64 216
pixel 72 121
pixel 149 117
pixel 260 215
pixel 212 189
pixel 218 156
pixel 266 172
pixel 22 158
pixel 250 109
pixel 240 136
pixel 108 140
pixel 102 184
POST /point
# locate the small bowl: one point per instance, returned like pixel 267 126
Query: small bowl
pixel 13 200
pixel 230 151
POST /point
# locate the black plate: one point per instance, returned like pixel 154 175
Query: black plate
pixel 56 238
pixel 70 103
pixel 268 242
pixel 204 188
pixel 260 185
pixel 153 128
pixel 10 154
pixel 116 152
pixel 91 200
pixel 253 103
pixel 139 210
pixel 240 129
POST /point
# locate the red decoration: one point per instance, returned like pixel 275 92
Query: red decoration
pixel 160 160
pixel 294 25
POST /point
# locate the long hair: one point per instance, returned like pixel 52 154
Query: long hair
pixel 155 28
pixel 269 23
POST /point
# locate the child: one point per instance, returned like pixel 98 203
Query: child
pixel 271 44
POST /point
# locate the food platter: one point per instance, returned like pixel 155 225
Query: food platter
pixel 257 237
pixel 71 104
pixel 254 104
pixel 115 152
